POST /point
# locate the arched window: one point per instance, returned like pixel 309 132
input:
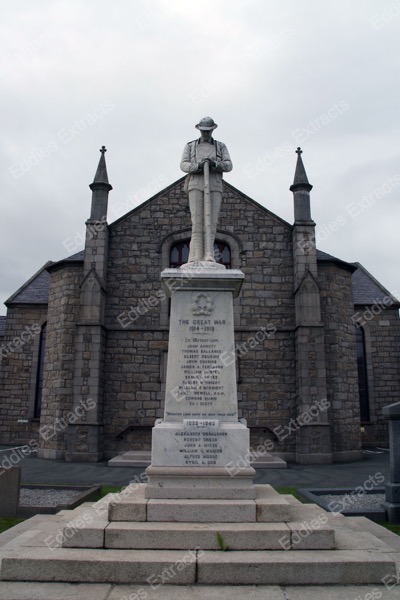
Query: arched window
pixel 179 254
pixel 362 374
pixel 222 253
pixel 40 371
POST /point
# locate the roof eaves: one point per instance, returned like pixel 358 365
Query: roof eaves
pixel 68 261
pixel 25 285
pixel 395 301
pixel 328 258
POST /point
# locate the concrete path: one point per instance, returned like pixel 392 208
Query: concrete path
pixel 348 475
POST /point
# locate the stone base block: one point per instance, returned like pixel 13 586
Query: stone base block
pixel 392 511
pixel 131 506
pixel 265 506
pixel 179 536
pixel 271 507
pixel 311 536
pixel 89 536
pixel 51 454
pixel 133 458
pixel 200 482
pixel 201 511
pixel 137 458
pixel 99 566
pixel 314 459
pixel 293 568
pixel 225 447
pixel 213 567
pixel 392 491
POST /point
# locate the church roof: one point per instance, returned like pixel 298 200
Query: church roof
pixel 35 290
pixel 325 257
pixel 368 290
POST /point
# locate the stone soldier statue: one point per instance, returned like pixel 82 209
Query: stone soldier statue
pixel 204 159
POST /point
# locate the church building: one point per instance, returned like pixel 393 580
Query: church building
pixel 84 345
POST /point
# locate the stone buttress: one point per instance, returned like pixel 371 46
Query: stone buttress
pixel 313 443
pixel 84 439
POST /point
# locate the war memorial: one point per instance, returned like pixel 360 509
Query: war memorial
pixel 196 525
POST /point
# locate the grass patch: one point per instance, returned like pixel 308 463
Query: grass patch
pixel 290 490
pixel 221 542
pixel 8 523
pixel 109 489
pixel 392 527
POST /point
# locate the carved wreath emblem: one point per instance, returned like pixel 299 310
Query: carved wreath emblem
pixel 202 304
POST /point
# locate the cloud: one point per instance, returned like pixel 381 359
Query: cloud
pixel 262 70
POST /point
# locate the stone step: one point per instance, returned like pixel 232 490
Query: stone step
pixel 241 536
pixel 131 459
pixel 97 566
pixel 141 458
pixel 197 566
pixel 201 511
pixel 268 507
pixel 179 536
pixel 294 568
pixel 200 482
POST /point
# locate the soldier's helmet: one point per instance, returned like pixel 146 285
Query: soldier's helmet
pixel 206 124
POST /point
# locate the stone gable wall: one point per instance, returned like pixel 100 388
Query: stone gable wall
pixel 57 402
pixel 137 342
pixel 136 337
pixel 136 259
pixel 382 339
pixel 19 349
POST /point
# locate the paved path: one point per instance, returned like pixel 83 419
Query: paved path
pixel 38 470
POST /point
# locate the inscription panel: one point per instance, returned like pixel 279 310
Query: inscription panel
pixel 201 379
pixel 201 448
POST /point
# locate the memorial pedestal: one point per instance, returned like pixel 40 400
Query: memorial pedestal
pixel 200 449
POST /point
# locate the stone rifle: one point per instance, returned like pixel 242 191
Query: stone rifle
pixel 209 253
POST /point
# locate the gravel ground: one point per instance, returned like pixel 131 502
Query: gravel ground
pixel 353 502
pixel 49 497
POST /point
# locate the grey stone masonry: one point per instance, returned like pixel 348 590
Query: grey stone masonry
pixel 381 325
pixel 340 349
pixel 105 377
pixel 85 434
pixel 18 370
pixel 137 316
pixel 57 400
pixel 313 444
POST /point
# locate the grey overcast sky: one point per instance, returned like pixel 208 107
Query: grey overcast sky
pixel 137 75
